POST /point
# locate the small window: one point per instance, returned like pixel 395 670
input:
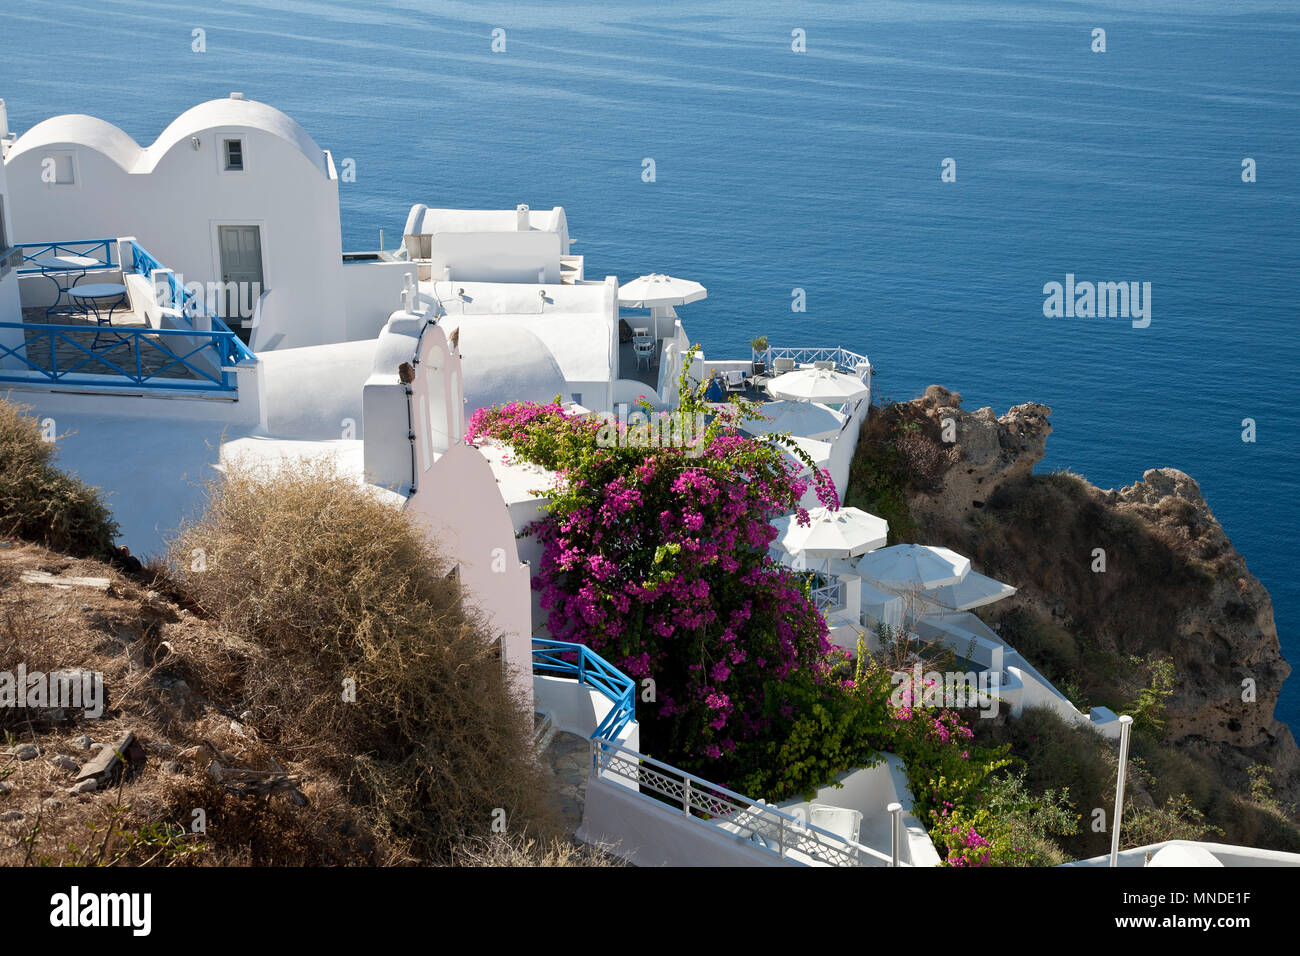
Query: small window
pixel 59 170
pixel 4 233
pixel 234 149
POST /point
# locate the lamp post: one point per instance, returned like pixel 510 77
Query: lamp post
pixel 1125 724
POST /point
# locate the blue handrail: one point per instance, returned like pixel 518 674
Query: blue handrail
pixel 189 305
pixel 591 670
pixel 76 247
pixel 125 357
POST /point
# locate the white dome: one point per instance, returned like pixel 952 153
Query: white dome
pixel 505 362
pixel 103 137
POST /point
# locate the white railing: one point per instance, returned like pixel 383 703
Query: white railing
pixel 847 361
pixel 775 831
pixel 828 597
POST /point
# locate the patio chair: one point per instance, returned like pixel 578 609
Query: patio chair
pixel 783 365
pixel 838 820
pixel 825 366
pixel 735 380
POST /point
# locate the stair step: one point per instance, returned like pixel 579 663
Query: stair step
pixel 543 734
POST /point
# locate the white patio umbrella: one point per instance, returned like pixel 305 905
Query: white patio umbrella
pixel 844 533
pixel 817 385
pixel 656 290
pixel 806 419
pixel 907 567
pixel 972 591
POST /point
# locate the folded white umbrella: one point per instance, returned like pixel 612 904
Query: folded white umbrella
pixel 817 385
pixel 906 567
pixel 655 290
pixel 806 419
pixel 972 591
pixel 832 534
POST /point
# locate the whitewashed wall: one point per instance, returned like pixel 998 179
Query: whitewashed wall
pixel 176 205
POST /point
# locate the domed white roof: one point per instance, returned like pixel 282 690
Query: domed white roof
pixel 82 130
pixel 229 113
pixel 506 362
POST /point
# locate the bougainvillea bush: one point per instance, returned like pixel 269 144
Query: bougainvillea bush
pixel 657 558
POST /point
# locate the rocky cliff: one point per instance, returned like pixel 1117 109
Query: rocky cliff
pixel 1112 576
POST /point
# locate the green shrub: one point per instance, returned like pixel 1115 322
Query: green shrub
pixel 40 503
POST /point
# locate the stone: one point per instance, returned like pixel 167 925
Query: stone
pixel 64 762
pixel 84 741
pixel 10 816
pixel 51 803
pixel 107 758
pixel 88 785
pixel 26 751
pixel 171 766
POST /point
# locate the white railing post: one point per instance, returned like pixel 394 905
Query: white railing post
pixel 686 795
pixel 1125 723
pixel 895 810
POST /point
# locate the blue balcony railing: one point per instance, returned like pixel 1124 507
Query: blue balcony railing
pixel 99 250
pixel 185 303
pixel 178 359
pixel 566 659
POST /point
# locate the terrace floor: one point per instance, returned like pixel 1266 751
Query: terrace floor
pixel 154 358
pixel 639 371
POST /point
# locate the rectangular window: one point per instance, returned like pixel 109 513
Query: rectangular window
pixel 59 170
pixel 234 155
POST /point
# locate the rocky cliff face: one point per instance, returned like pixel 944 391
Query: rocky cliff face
pixel 1174 585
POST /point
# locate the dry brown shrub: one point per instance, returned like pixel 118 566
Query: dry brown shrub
pixel 318 582
pixel 523 851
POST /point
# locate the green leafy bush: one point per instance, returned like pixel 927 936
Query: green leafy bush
pixel 40 503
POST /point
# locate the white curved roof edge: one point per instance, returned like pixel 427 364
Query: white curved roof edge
pixel 78 129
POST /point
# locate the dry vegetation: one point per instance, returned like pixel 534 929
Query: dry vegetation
pixel 236 655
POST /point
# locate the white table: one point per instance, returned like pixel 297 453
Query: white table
pixel 54 267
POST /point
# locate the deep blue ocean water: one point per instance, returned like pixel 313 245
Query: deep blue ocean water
pixel 820 170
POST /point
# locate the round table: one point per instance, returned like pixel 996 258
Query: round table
pixel 64 265
pixel 92 294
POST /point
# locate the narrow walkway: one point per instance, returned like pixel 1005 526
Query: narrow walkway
pixel 567 760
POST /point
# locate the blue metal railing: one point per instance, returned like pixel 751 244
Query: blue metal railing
pixel 100 250
pixel 124 357
pixel 566 659
pixel 189 305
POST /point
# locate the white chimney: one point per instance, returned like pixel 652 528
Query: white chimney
pixel 4 120
pixel 521 218
pixel 236 96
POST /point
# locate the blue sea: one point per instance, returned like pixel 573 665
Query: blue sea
pixel 778 170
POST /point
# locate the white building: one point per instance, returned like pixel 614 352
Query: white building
pixel 233 193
